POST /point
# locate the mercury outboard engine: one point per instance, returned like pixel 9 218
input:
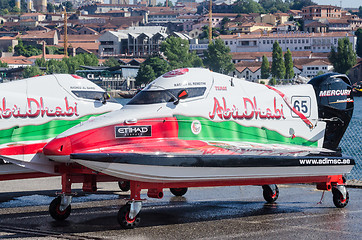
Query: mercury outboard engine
pixel 335 105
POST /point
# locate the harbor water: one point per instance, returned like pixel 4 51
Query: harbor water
pixel 351 143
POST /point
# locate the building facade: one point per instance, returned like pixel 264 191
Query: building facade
pixel 294 41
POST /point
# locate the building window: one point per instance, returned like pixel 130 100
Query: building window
pixel 263 41
pixel 267 41
pixel 298 40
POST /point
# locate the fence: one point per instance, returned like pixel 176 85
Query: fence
pixel 351 145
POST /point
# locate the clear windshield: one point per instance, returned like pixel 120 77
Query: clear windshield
pixel 92 95
pixel 163 96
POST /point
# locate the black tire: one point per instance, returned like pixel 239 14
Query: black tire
pixel 55 211
pixel 269 195
pixel 338 199
pixel 178 191
pixel 125 186
pixel 124 220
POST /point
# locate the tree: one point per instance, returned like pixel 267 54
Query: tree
pixel 273 6
pixel 359 12
pixel 177 53
pixel 278 67
pixel 344 58
pixel 288 61
pixel 145 75
pixel 247 6
pixel 359 42
pixel 272 81
pixel 68 6
pixel 299 4
pixel 31 71
pixel 150 69
pixel 320 72
pixel 3 64
pixel 218 58
pixel 50 7
pixel 111 62
pixel 265 69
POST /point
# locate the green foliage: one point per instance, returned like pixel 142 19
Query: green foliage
pixel 177 53
pixel 111 62
pixel 26 51
pixel 31 71
pixel 10 49
pixel 40 62
pixel 288 61
pixel 50 7
pixel 205 33
pixel 265 68
pixel 272 6
pixel 16 10
pixel 278 67
pixel 54 50
pixel 170 4
pixel 67 65
pixel 68 6
pixel 299 4
pixel 262 82
pixel 359 12
pixel 359 42
pixel 145 75
pixel 272 82
pixel 3 64
pixel 150 69
pixel 247 6
pixel 218 57
pixel 320 73
pixel 344 58
pixel 4 11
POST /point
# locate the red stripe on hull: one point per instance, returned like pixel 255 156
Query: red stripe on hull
pixel 22 149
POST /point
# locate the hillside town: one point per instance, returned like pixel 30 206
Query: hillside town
pixel 130 33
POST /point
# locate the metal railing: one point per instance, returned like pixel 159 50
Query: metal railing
pixel 351 145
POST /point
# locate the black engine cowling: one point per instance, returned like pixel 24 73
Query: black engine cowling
pixel 335 105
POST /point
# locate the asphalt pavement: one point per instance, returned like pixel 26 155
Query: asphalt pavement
pixel 203 213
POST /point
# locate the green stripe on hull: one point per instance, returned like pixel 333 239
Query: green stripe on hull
pixel 39 132
pixel 231 131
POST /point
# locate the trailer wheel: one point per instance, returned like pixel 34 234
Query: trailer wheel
pixel 338 199
pixel 270 194
pixel 178 191
pixel 124 220
pixel 56 213
pixel 124 185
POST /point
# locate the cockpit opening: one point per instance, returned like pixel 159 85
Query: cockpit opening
pixel 166 95
pixel 94 95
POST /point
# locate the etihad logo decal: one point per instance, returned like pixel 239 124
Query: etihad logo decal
pixel 133 131
pixel 37 108
pixel 196 127
pixel 249 110
pixel 330 93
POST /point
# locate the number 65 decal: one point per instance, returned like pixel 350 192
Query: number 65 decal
pixel 301 104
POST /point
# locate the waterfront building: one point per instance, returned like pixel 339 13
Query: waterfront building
pixel 295 41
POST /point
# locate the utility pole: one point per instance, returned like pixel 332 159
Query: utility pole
pixel 210 21
pixel 65 34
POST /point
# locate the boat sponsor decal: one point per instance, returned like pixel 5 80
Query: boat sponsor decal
pixel 325 161
pixel 44 131
pixel 249 110
pixel 176 72
pixel 196 127
pixel 221 88
pixel 339 92
pixel 133 131
pixel 233 131
pixel 196 160
pixel 37 108
pixel 342 101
